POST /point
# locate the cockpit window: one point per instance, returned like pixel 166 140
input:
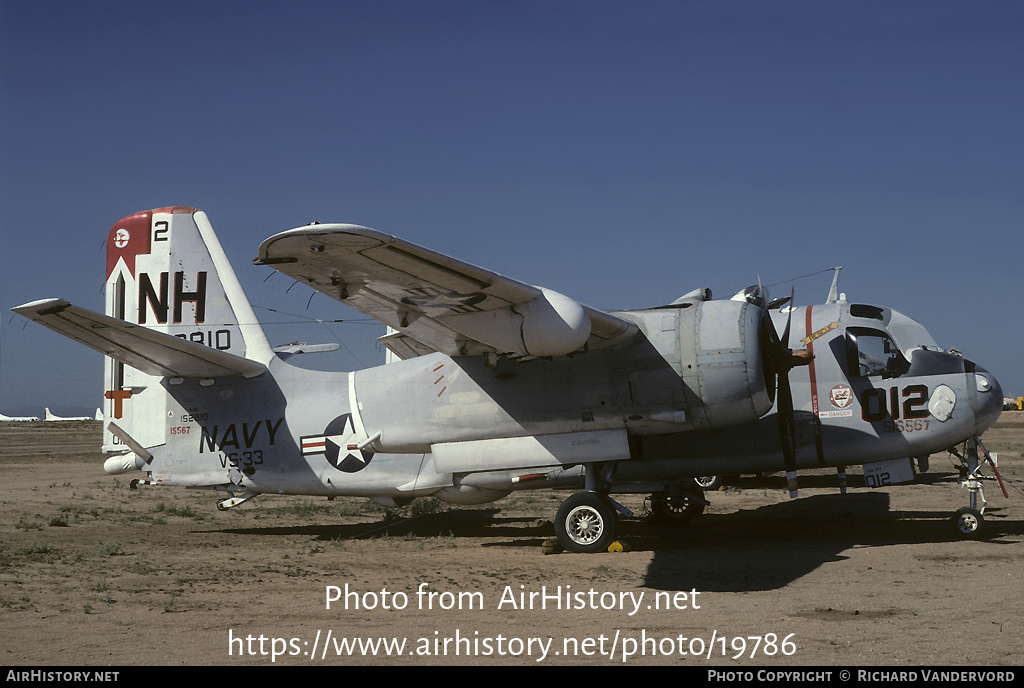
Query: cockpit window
pixel 861 311
pixel 872 352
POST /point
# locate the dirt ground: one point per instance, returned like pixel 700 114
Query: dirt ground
pixel 95 573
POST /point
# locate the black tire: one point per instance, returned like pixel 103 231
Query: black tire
pixel 969 522
pixel 678 510
pixel 585 523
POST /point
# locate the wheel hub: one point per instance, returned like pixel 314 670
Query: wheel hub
pixel 968 523
pixel 585 524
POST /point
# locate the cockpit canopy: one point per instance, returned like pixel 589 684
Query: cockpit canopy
pixel 890 344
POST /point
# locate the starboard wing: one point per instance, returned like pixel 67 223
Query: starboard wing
pixel 435 302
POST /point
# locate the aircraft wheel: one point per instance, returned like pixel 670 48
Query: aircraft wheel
pixel 585 523
pixel 708 482
pixel 968 522
pixel 678 510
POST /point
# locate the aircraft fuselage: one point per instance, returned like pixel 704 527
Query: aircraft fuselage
pixel 375 432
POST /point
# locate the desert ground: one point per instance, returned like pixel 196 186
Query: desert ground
pixel 93 573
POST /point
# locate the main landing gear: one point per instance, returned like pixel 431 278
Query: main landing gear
pixel 679 505
pixel 708 482
pixel 586 521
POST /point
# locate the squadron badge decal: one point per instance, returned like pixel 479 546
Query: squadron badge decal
pixel 841 396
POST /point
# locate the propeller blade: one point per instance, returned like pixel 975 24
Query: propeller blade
pixel 787 432
pixel 789 319
pixel 781 359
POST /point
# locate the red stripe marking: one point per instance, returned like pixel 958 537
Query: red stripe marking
pixel 309 445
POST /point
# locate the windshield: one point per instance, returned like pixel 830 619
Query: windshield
pixel 872 352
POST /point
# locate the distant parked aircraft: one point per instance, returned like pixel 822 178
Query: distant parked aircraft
pixel 50 416
pixel 3 417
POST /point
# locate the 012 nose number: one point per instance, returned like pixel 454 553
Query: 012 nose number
pixel 898 409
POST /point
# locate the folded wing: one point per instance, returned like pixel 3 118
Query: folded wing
pixel 434 302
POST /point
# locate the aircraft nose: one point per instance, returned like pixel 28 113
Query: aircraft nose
pixel 988 399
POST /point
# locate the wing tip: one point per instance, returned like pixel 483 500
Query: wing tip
pixel 42 307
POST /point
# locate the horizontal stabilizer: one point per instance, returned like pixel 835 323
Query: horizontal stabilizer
pixel 303 348
pixel 152 352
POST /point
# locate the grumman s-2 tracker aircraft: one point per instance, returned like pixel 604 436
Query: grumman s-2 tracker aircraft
pixel 496 385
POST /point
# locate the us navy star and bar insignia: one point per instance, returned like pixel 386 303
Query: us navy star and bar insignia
pixel 339 443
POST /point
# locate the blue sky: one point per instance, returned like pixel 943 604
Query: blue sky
pixel 622 153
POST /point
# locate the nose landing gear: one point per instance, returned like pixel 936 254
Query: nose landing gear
pixel 969 521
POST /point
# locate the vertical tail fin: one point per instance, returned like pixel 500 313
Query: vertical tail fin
pixel 166 271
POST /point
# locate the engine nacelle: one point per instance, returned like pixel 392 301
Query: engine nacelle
pixel 549 325
pixel 717 349
pixel 722 352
